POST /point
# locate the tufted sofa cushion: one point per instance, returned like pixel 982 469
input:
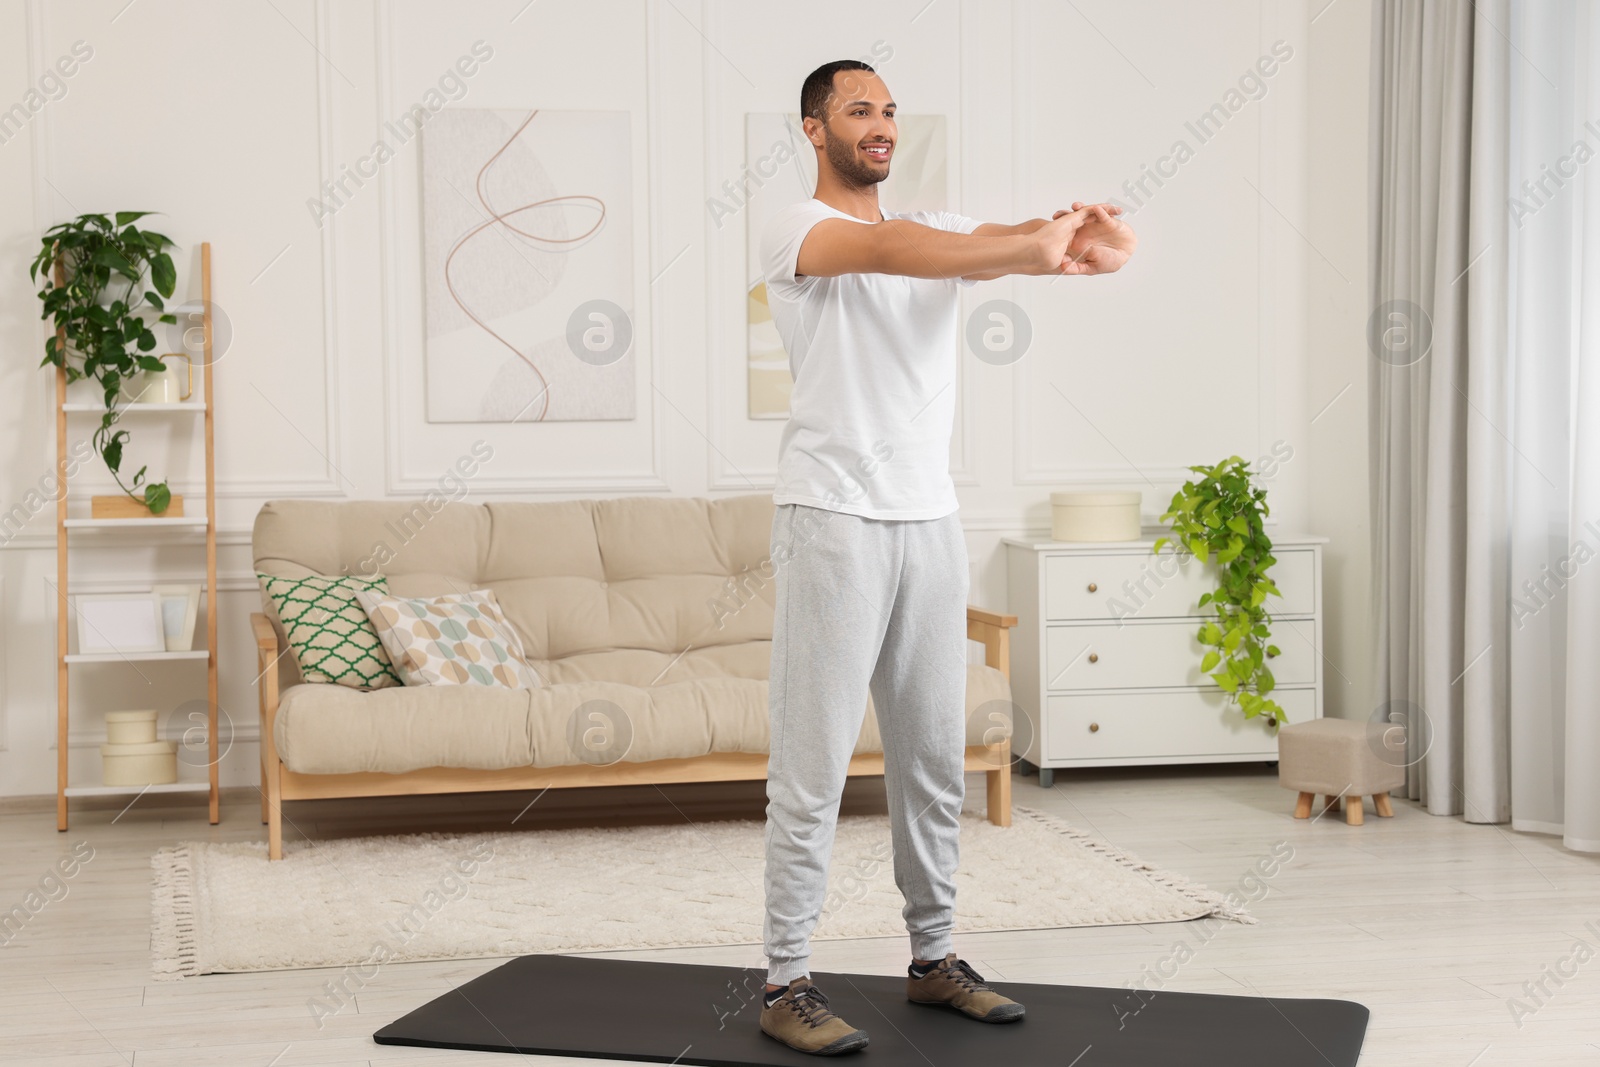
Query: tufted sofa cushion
pixel 661 606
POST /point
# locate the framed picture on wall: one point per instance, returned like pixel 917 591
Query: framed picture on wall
pixel 527 226
pixel 118 623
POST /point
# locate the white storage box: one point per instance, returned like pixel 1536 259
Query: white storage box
pixel 131 727
pixel 1102 515
pixel 153 763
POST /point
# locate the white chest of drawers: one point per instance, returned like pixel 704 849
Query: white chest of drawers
pixel 1106 669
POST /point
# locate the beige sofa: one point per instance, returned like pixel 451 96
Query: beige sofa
pixel 649 620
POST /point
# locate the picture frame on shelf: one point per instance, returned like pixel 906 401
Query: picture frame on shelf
pixel 119 623
pixel 179 603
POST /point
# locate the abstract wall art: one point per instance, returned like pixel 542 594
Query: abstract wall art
pixel 528 265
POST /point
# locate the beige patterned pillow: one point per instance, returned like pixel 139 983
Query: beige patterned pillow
pixel 456 639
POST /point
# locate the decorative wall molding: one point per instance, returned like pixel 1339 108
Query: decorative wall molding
pixel 238 581
pixel 333 422
pixel 400 473
pixel 43 213
pixel 5 673
pixel 248 733
pixel 963 461
pixel 226 535
pixel 722 475
pixel 1008 521
pixel 44 167
pixel 399 384
pixel 1282 134
pixel 1024 471
pixel 261 489
pixel 1161 478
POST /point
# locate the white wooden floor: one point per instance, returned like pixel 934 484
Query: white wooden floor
pixel 1433 923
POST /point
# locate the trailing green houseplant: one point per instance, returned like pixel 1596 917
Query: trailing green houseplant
pixel 1219 516
pixel 104 309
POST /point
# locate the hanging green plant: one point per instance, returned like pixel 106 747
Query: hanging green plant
pixel 103 308
pixel 1219 516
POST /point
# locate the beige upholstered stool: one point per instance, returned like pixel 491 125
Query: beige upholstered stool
pixel 1339 757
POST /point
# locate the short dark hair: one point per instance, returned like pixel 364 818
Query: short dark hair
pixel 818 87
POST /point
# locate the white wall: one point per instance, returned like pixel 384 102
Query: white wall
pixel 1337 309
pixel 1236 323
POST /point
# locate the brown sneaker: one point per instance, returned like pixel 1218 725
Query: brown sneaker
pixel 800 1019
pixel 952 981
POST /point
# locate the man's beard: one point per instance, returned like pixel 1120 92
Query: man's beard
pixel 845 162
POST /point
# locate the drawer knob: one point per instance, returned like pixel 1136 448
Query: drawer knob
pixel 1094 657
pixel 1093 588
pixel 1094 728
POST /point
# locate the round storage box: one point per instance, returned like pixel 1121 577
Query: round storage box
pixel 131 727
pixel 154 763
pixel 1095 516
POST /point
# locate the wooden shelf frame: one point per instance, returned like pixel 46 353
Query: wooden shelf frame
pixel 64 605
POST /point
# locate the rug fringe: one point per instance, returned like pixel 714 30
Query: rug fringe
pixel 1221 907
pixel 173 947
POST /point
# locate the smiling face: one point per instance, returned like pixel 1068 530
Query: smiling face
pixel 859 135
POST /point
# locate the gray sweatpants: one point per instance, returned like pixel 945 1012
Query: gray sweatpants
pixel 864 603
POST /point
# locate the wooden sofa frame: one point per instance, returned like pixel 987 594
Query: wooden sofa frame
pixel 278 783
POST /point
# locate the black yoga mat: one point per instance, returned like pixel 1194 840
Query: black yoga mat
pixel 690 1013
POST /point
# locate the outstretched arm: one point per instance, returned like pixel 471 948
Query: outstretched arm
pixel 910 249
pixel 1000 229
pixel 899 246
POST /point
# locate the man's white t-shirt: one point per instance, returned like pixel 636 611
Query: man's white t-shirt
pixel 873 358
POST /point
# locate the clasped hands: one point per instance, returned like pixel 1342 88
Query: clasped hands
pixel 1085 239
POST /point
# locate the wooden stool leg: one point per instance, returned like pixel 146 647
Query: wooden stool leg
pixel 1302 807
pixel 1381 802
pixel 1332 804
pixel 1352 811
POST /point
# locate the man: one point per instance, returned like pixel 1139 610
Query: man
pixel 871 560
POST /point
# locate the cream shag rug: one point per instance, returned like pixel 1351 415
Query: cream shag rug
pixel 365 901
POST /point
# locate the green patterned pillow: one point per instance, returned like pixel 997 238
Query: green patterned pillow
pixel 329 632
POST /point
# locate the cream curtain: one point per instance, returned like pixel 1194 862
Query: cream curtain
pixel 1485 245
